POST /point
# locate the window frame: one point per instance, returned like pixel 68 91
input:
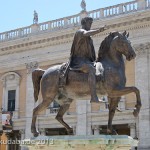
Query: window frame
pixel 11 81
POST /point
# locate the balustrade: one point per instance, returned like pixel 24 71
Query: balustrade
pixel 147 3
pixel 111 11
pixel 25 31
pixel 15 33
pixel 44 26
pixel 95 14
pixel 74 20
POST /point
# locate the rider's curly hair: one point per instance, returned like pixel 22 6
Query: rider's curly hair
pixel 85 19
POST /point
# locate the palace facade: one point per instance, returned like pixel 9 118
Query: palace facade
pixel 46 44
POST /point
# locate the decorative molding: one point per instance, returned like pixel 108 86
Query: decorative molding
pixel 57 40
pixel 31 66
pixel 10 77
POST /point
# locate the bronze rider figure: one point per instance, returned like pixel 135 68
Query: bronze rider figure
pixel 83 55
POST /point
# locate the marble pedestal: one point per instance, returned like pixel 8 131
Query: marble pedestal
pixel 90 142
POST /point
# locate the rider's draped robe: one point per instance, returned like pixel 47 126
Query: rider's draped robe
pixel 82 50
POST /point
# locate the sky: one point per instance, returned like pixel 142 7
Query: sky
pixel 19 13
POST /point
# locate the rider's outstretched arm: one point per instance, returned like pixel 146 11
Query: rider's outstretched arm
pixel 93 32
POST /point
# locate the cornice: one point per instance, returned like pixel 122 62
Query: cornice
pixel 36 44
pixel 128 25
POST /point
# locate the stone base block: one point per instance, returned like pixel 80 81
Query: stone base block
pixel 90 142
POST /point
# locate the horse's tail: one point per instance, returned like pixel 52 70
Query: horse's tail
pixel 36 78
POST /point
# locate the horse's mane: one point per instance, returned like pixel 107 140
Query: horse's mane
pixel 105 45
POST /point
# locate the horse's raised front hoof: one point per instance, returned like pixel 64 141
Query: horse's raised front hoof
pixel 70 131
pixel 35 133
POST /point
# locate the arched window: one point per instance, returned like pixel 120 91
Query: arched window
pixel 11 82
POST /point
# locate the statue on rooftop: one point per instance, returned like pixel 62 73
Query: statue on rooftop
pixel 83 5
pixel 35 19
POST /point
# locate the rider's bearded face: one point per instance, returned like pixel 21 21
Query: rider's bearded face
pixel 88 25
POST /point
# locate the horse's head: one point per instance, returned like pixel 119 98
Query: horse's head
pixel 119 44
pixel 122 45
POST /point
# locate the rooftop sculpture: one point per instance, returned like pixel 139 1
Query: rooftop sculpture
pixel 83 5
pixel 35 18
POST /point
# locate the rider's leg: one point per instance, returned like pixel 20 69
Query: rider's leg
pixel 99 69
pixel 88 68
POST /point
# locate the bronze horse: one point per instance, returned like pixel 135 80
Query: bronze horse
pixel 110 54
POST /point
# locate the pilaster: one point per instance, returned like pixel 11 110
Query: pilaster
pixel 83 124
pixel 29 98
pixel 142 82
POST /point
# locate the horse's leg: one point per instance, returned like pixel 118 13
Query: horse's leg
pixel 61 112
pixel 49 89
pixel 48 96
pixel 127 90
pixel 39 108
pixel 112 107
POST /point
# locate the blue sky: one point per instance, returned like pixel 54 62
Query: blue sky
pixel 19 13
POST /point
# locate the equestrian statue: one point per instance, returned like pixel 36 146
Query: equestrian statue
pixel 84 76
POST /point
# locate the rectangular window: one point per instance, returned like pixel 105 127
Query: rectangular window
pixel 11 100
pixel 55 104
